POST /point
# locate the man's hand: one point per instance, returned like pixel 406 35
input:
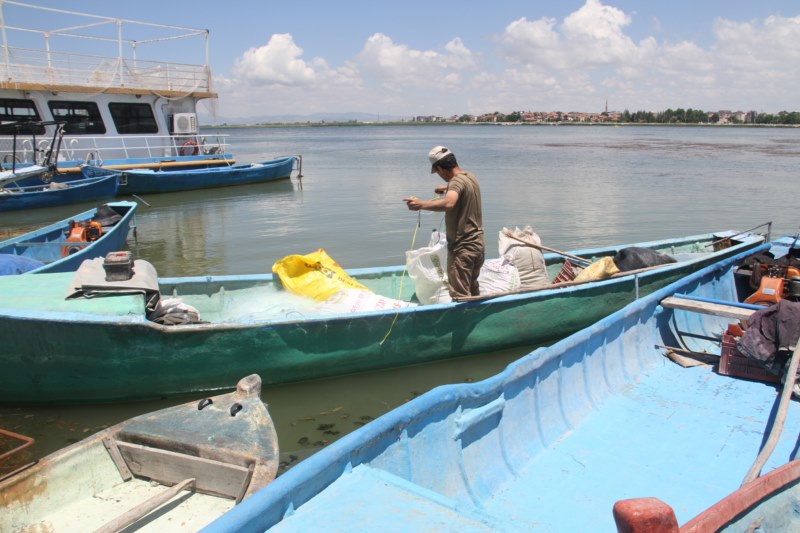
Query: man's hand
pixel 413 203
pixel 440 189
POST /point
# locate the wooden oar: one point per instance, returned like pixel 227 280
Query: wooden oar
pixel 780 418
pixel 546 249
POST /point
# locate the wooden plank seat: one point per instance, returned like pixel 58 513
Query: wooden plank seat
pixel 727 310
pixel 166 467
pixel 177 471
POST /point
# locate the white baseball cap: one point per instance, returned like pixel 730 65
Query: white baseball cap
pixel 436 154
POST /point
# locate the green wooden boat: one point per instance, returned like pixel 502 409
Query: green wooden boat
pixel 106 349
pixel 135 475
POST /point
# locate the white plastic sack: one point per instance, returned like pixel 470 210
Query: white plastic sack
pixel 528 260
pixel 427 268
pixel 498 275
pixel 356 301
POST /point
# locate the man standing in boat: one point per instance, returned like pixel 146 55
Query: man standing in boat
pixel 461 203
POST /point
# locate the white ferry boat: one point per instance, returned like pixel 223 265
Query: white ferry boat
pixel 123 110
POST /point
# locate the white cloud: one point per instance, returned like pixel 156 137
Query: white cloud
pixel 397 65
pixel 533 42
pixel 591 36
pixel 746 45
pixel 280 63
pixel 575 63
pixel 277 62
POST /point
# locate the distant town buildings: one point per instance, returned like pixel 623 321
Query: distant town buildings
pixel 530 117
pixel 687 116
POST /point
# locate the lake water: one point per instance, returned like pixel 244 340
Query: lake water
pixel 578 187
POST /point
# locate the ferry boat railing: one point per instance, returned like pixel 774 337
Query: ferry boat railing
pixel 92 53
pixel 104 148
pixel 62 70
pixel 99 149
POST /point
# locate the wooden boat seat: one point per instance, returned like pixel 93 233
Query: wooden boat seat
pixel 178 471
pixel 168 468
pixel 708 308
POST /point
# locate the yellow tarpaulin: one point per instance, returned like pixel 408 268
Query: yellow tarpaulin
pixel 315 275
pixel 601 269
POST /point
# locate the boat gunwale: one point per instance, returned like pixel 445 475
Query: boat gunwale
pixel 317 320
pixel 16 192
pixel 20 239
pixel 321 319
pixel 260 165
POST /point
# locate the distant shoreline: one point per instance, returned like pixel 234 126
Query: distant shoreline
pixel 495 124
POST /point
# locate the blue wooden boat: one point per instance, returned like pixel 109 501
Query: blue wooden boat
pixel 248 323
pixel 51 195
pixel 64 245
pixel 174 179
pixel 175 469
pixel 553 441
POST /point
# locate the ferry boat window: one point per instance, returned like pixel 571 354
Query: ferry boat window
pixel 18 110
pixel 81 117
pixel 133 118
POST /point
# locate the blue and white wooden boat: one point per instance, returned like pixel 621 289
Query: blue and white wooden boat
pixel 552 442
pixel 144 181
pixel 54 248
pixel 14 198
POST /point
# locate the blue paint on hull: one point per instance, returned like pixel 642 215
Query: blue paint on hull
pixel 33 197
pixel 175 180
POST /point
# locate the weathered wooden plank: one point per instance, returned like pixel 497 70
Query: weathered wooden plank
pixel 144 508
pixel 213 477
pixel 726 311
pixel 113 451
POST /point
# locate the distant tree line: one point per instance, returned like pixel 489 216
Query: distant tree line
pixel 697 116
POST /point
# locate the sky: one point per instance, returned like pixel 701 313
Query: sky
pixel 446 57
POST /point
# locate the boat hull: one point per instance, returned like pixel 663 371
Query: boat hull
pixel 109 351
pixel 85 190
pixel 45 244
pixel 550 443
pixel 175 179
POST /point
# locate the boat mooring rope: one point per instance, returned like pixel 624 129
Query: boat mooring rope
pixel 402 277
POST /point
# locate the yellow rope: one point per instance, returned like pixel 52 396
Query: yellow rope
pixel 402 277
